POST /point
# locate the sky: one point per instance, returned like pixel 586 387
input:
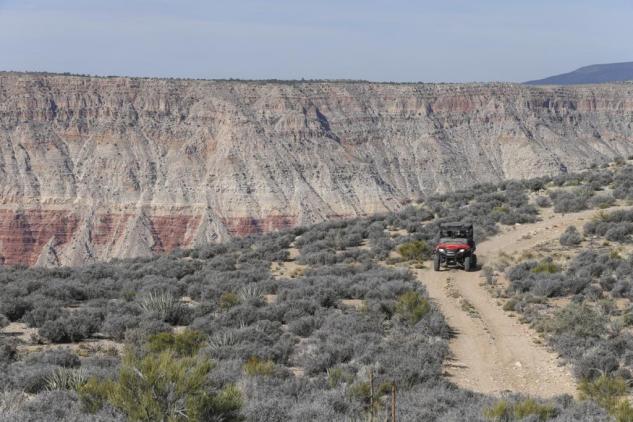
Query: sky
pixel 378 40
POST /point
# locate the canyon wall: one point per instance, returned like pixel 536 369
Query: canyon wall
pixel 99 168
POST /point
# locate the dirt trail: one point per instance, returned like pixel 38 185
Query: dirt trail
pixel 491 351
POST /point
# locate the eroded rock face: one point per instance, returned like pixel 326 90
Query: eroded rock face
pixel 96 168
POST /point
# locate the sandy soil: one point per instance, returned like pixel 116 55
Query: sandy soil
pixel 356 304
pixel 288 269
pixel 491 351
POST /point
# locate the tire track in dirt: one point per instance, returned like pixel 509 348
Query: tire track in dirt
pixel 491 351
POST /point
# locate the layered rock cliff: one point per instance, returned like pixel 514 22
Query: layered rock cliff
pixel 97 168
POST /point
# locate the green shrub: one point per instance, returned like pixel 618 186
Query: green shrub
pixel 162 387
pixel 94 394
pixel 360 391
pixel 229 300
pixel 623 412
pixel 510 305
pixel 546 266
pixel 417 250
pixel 336 376
pixel 255 366
pixel 608 392
pixel 500 411
pixel 530 407
pixel 186 343
pixel 412 306
pixel 506 412
pixel 128 295
pixel 615 255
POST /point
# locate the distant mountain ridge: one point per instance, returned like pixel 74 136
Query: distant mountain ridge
pixel 594 74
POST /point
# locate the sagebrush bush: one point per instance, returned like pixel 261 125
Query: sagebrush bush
pixel 570 237
pixel 602 201
pixel 43 312
pixel 543 201
pixel 14 307
pixel 303 326
pixel 595 362
pixel 579 320
pixel 56 406
pixel 8 352
pixel 217 292
pixel 623 183
pixel 116 325
pixel 10 402
pixel 72 327
pixel 571 201
pixel 616 226
pixel 30 378
pixel 59 357
pixel 4 321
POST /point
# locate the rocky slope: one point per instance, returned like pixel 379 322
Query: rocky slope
pixel 97 168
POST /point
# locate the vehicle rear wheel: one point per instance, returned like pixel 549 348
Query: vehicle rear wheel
pixel 436 262
pixel 474 263
pixel 468 263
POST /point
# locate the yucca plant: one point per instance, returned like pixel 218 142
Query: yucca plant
pixel 221 340
pixel 166 306
pixel 249 292
pixel 160 303
pixel 66 379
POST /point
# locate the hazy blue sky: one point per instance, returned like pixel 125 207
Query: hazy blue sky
pixel 396 40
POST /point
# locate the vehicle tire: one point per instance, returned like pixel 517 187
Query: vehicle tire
pixel 474 263
pixel 468 264
pixel 436 262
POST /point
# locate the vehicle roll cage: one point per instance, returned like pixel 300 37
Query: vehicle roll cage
pixel 456 230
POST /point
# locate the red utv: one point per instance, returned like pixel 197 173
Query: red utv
pixel 456 248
